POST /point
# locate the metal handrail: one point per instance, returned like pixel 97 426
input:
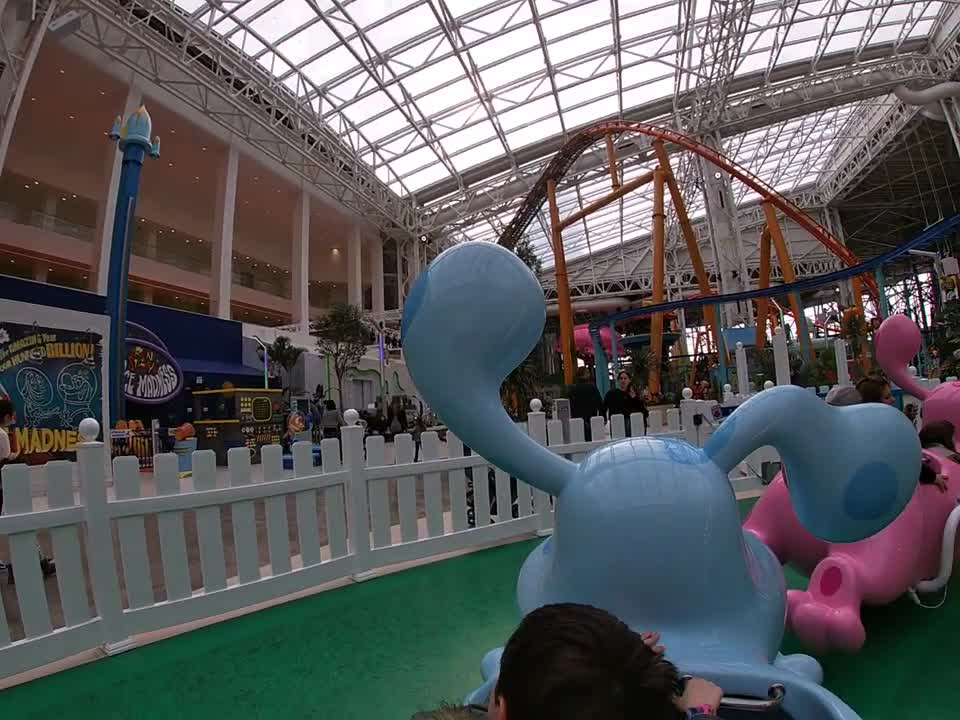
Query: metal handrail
pixel 775 696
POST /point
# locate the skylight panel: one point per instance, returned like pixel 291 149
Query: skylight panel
pixel 537 131
pixel 369 106
pixel 366 13
pixel 243 11
pixel 505 72
pixel 633 97
pixel 413 161
pixel 501 46
pixel 585 92
pixel 449 97
pixel 571 74
pixel 433 76
pixel 514 114
pixel 483 24
pixel 579 44
pixel 651 21
pixel 481 132
pixel 306 43
pixel 282 19
pixel 333 63
pixel 922 29
pixel 383 126
pixel 797 51
pixel 469 158
pixel 398 30
pixel 424 177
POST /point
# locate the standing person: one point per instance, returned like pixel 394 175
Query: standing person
pixel 396 418
pixel 585 400
pixel 626 400
pixel 331 421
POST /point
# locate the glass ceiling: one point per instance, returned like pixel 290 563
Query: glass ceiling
pixel 423 90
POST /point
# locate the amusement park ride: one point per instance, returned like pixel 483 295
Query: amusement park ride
pixel 663 178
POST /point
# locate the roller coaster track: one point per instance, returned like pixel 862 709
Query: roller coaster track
pixel 578 144
pixel 931 234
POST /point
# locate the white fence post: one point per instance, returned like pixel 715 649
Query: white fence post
pixel 537 429
pixel 743 377
pixel 843 370
pixel 103 565
pixel 358 512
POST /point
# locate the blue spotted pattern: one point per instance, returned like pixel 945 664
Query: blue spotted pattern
pixel 871 492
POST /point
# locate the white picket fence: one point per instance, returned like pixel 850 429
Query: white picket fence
pixel 107 600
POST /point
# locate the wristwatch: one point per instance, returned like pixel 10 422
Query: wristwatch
pixel 700 711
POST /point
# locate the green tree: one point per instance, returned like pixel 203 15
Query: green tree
pixel 342 337
pixel 524 250
pixel 945 340
pixel 283 354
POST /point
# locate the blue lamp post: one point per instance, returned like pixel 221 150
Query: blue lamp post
pixel 134 143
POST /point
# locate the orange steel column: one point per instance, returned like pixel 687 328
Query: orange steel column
pixel 686 229
pixel 656 328
pixel 563 288
pixel 786 265
pixel 763 282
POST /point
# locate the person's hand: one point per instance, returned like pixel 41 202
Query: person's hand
pixel 941 483
pixel 652 640
pixel 13 455
pixel 699 692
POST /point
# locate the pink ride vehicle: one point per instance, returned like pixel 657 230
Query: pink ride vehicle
pixel 899 559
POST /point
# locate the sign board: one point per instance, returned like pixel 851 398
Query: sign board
pixel 53 378
pixel 151 375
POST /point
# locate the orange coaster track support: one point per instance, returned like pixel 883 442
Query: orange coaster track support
pixel 575 147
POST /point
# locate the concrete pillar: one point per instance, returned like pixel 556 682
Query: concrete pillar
pixel 107 206
pixel 400 277
pixel 831 217
pixel 725 234
pixel 375 247
pixel 49 212
pixel 222 256
pixel 416 260
pixel 153 239
pixel 354 268
pixel 300 265
pixel 40 269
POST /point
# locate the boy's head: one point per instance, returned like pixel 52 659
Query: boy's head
pixel 843 395
pixel 7 412
pixel 938 433
pixel 575 662
pixel 875 389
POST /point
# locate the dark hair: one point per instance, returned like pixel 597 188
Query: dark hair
pixel 938 433
pixel 6 408
pixel 871 389
pixel 575 662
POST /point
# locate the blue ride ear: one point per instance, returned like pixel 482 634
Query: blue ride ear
pixel 472 317
pixel 850 470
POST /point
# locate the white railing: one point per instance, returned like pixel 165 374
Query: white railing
pixel 369 506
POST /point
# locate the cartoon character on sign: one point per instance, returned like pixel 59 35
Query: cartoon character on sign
pixel 77 385
pixel 38 397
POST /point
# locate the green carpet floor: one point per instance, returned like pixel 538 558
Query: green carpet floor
pixel 390 646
